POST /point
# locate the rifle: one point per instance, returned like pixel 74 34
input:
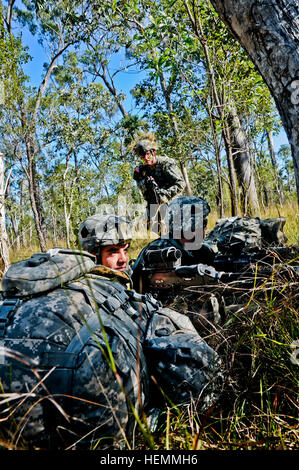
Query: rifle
pixel 152 186
pixel 161 271
pixel 236 259
pixel 150 183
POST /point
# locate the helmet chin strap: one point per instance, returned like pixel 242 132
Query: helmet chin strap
pixel 99 255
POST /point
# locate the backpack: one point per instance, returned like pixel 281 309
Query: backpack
pixel 75 359
pixel 46 271
pixel 246 233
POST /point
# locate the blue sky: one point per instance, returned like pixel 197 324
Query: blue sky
pixel 125 81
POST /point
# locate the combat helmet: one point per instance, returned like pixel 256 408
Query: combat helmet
pixel 187 214
pixel 102 230
pixel 145 144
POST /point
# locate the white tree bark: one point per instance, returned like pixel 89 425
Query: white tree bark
pixel 269 31
pixel 243 165
pixel 4 242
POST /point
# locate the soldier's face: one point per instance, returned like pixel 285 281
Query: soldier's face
pixel 149 158
pixel 115 256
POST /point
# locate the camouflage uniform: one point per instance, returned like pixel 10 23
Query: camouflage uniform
pixel 159 180
pixel 208 307
pixel 169 179
pixel 93 343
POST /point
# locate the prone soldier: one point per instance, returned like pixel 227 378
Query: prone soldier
pixel 78 346
pixel 183 243
pixel 205 275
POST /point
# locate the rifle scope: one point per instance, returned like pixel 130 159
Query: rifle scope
pixel 162 255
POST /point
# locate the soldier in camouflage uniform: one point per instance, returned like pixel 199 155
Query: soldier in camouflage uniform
pixel 231 239
pixel 158 178
pixel 78 346
pixel 182 226
pixel 187 222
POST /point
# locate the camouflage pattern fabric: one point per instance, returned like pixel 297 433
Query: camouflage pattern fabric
pixel 272 231
pixel 75 360
pixel 248 233
pixel 190 212
pixel 168 177
pixel 182 361
pixel 103 230
pixel 45 271
pixel 245 231
pixel 42 330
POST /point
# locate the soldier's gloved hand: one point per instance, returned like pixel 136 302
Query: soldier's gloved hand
pixel 152 181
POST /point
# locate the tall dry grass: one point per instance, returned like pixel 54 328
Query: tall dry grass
pixel 259 405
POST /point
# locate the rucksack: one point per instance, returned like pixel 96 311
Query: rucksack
pixel 246 233
pixel 75 359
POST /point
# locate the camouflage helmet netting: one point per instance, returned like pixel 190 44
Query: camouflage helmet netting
pixel 144 144
pixel 102 230
pixel 188 211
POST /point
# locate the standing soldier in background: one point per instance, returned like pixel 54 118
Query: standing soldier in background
pixel 158 178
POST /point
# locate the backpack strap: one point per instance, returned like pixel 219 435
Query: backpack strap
pixel 112 313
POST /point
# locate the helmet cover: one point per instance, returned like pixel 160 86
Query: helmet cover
pixel 102 230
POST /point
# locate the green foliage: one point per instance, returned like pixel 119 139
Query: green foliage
pixel 81 131
pixel 82 121
pixel 12 57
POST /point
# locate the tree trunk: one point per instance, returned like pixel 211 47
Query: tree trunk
pixel 231 171
pixel 243 165
pixel 269 32
pixel 186 178
pixel 4 242
pixel 220 199
pixel 278 184
pixel 23 202
pixel 35 198
pixel 28 126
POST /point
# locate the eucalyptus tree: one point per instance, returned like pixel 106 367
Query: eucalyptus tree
pixel 187 52
pixel 228 76
pixel 4 242
pixel 269 32
pixel 12 57
pixel 60 25
pixel 153 42
pixel 75 120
